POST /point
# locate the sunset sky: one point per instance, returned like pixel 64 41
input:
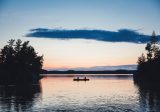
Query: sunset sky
pixel 81 33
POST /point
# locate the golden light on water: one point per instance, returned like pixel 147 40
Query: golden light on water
pixel 60 89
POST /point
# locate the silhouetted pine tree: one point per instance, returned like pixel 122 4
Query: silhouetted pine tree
pixel 149 66
pixel 19 63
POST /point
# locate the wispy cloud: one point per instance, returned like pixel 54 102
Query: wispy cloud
pixel 122 35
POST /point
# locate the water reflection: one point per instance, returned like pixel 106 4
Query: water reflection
pixel 100 94
pixel 97 95
pixel 19 98
pixel 149 96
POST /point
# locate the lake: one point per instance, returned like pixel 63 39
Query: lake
pixel 62 94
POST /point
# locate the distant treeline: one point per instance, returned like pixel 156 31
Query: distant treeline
pixel 89 72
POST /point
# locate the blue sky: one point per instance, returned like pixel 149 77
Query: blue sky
pixel 17 17
pixel 140 15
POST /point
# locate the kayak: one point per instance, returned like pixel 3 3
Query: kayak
pixel 76 79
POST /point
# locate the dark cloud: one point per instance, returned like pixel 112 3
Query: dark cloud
pixel 122 35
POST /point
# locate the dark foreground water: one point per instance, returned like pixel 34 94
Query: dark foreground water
pixel 62 94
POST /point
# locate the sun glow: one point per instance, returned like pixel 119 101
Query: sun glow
pixel 87 53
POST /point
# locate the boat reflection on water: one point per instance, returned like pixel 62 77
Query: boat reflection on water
pixel 19 98
pixel 149 96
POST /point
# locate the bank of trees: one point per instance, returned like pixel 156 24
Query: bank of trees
pixel 149 63
pixel 19 63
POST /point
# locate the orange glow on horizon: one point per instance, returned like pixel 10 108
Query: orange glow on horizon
pixel 87 53
pixel 83 64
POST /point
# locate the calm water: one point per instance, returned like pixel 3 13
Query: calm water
pixel 62 94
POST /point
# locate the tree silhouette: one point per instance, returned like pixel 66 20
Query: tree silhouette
pixel 19 63
pixel 141 59
pixel 149 65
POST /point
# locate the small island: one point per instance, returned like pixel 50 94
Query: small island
pixel 19 63
pixel 149 64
